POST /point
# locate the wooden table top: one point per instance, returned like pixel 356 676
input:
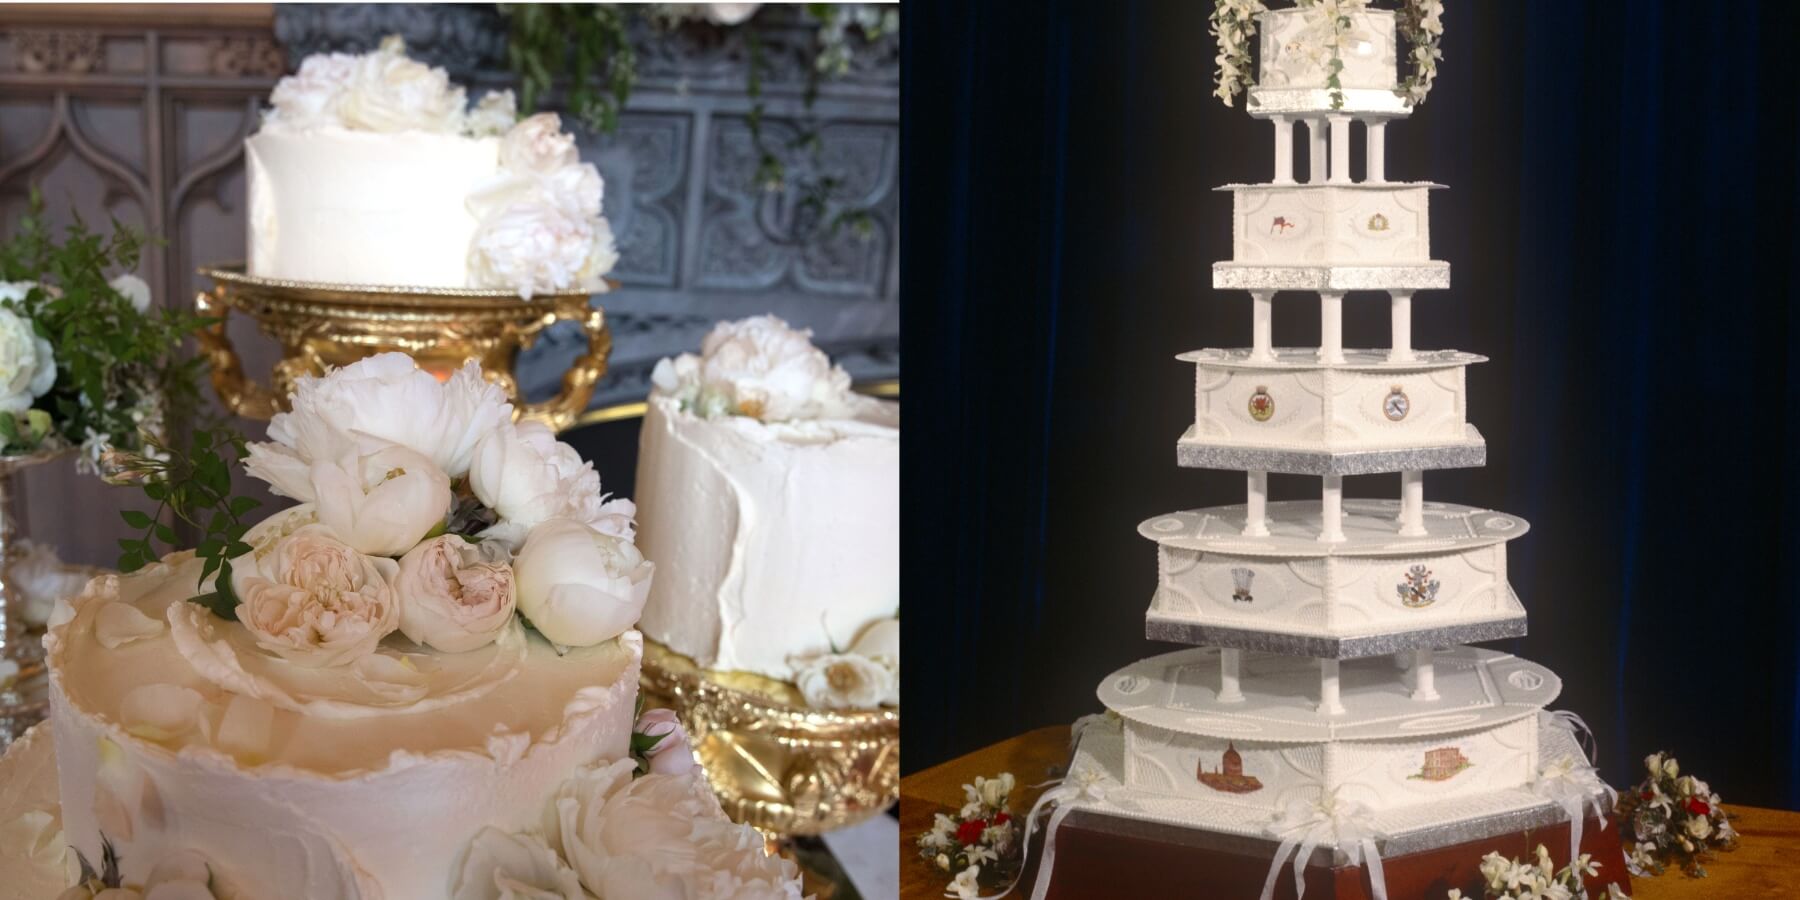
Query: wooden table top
pixel 1765 865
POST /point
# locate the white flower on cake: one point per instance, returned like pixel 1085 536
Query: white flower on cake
pixel 383 503
pixel 673 753
pixel 527 476
pixel 661 836
pixel 538 247
pixel 538 145
pixel 27 363
pixel 309 98
pixel 389 92
pixel 757 367
pixel 501 866
pixel 383 399
pixel 844 681
pixel 314 600
pixel 455 595
pixel 579 586
pixel 179 876
pixel 493 115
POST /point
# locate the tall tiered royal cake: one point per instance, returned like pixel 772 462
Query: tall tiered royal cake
pixel 1328 700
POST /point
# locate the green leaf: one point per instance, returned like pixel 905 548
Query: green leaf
pixel 219 603
pixel 135 518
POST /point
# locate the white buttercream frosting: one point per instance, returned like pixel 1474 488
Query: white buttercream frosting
pixel 774 542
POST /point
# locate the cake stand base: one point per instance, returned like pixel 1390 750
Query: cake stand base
pixel 1098 855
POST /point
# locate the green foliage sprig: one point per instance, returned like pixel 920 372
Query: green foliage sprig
pixel 192 486
pixel 586 43
pixel 120 372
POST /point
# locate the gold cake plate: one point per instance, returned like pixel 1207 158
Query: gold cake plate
pixel 320 326
pixel 774 762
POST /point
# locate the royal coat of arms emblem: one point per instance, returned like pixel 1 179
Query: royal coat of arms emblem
pixel 1417 588
pixel 1262 406
pixel 1240 580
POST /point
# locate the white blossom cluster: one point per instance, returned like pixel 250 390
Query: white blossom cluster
pixel 982 834
pixel 1539 879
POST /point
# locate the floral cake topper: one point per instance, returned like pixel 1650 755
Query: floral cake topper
pixel 1420 22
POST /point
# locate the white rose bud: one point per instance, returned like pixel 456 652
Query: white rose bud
pixel 844 681
pixel 578 586
pixel 674 754
pixel 455 595
pixel 314 600
pixel 384 503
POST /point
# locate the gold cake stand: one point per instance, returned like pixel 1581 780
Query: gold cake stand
pixel 326 325
pixel 776 763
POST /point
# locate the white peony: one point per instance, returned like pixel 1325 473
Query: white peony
pixel 382 503
pixel 674 753
pixel 379 400
pixel 180 876
pixel 493 115
pixel 539 247
pixel 579 586
pixel 309 98
pixel 527 476
pixel 315 601
pixel 455 595
pixel 134 289
pixel 538 145
pixel 27 363
pixel 757 367
pixel 845 681
pixel 501 866
pixel 729 13
pixel 661 836
pixel 391 92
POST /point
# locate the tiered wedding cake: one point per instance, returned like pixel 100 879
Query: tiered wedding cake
pixel 417 683
pixel 1328 700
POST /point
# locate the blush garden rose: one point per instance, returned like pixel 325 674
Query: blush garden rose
pixel 313 600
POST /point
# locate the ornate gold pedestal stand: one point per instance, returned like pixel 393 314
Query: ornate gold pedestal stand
pixel 774 762
pixel 327 325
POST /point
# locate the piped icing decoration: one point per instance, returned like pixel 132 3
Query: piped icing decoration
pixel 540 227
pixel 118 624
pixel 760 368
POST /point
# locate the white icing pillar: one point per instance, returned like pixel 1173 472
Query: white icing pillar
pixel 1424 675
pixel 1315 150
pixel 1331 326
pixel 1330 702
pixel 1412 503
pixel 1400 306
pixel 1262 327
pixel 1375 135
pixel 1340 150
pixel 1256 505
pixel 1230 688
pixel 1284 149
pixel 1331 510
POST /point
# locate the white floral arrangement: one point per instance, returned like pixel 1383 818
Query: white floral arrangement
pixel 540 228
pixel 760 368
pixel 1671 819
pixel 1330 27
pixel 186 875
pixel 425 511
pixel 981 843
pixel 1539 879
pixel 866 676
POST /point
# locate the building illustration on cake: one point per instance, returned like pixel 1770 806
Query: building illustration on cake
pixel 1334 679
pixel 1442 764
pixel 1230 777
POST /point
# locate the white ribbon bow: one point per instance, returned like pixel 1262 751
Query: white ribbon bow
pixel 1083 784
pixel 1572 783
pixel 1305 824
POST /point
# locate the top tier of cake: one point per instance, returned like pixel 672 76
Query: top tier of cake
pixel 373 170
pixel 1294 60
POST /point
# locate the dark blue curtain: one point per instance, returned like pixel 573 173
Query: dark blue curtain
pixel 1621 226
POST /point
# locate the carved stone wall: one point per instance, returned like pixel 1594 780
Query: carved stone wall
pixel 140 114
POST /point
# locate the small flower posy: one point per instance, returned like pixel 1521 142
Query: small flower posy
pixel 1538 878
pixel 981 843
pixel 1671 819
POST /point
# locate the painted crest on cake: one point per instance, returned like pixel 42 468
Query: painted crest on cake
pixel 1442 764
pixel 1280 225
pixel 1396 404
pixel 1230 777
pixel 1418 589
pixel 1378 222
pixel 1240 580
pixel 1262 406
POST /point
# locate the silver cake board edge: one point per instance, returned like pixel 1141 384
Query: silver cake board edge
pixel 1426 276
pixel 1263 102
pixel 1157 628
pixel 1193 454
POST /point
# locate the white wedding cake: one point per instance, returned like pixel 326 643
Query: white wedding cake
pixel 419 682
pixel 771 500
pixel 374 170
pixel 1328 699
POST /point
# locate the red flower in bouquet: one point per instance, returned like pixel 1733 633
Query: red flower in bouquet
pixel 1698 806
pixel 970 832
pixel 1000 819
